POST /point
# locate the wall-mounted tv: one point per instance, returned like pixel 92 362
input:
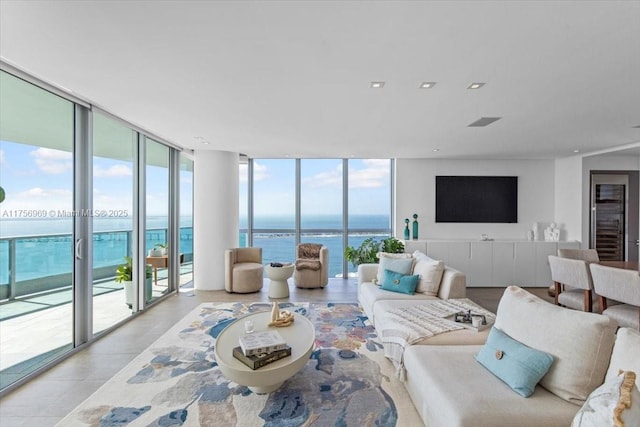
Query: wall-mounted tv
pixel 477 199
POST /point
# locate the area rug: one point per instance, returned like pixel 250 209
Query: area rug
pixel 176 382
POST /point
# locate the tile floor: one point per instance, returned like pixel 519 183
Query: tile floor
pixel 49 397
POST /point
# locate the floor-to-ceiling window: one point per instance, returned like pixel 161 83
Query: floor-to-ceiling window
pixel 274 208
pixel 243 202
pixel 185 235
pixel 36 226
pixel 157 218
pixel 72 215
pixel 369 198
pixel 321 207
pixel 113 197
pixel 315 200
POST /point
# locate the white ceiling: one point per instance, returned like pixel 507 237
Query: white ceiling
pixel 271 79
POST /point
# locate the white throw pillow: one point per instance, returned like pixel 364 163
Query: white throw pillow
pixel 400 263
pixel 626 354
pixel 580 343
pixel 430 273
pixel 614 403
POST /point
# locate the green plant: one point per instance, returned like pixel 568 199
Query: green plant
pixel 161 245
pixel 392 245
pixel 124 272
pixel 367 252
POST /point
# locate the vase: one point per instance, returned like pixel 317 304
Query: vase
pixel 415 226
pixel 406 229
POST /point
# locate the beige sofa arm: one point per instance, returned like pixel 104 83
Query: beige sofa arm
pixel 453 284
pixel 367 272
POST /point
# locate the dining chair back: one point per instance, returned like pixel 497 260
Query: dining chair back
pixel 619 285
pixel 577 292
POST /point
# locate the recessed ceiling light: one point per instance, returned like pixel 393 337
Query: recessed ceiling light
pixel 576 151
pixel 475 85
pixel 484 121
pixel 376 85
pixel 205 142
pixel 435 150
pixel 199 138
pixel 427 85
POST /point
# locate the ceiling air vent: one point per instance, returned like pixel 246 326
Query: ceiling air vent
pixel 484 121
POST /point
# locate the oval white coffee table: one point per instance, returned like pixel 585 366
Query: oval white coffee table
pixel 300 336
pixel 279 287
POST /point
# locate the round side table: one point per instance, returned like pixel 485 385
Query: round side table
pixel 279 287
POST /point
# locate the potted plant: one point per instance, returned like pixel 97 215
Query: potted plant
pixel 367 252
pixel 155 251
pixel 124 275
pixel 163 248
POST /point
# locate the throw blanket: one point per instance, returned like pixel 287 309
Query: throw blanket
pixel 308 256
pixel 409 325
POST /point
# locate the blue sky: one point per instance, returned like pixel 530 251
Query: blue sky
pixel 274 192
pixel 42 178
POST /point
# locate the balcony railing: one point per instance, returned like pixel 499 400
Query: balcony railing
pixel 44 263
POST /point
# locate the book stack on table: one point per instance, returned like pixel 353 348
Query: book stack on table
pixel 261 348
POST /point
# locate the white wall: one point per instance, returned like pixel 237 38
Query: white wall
pixel 568 197
pixel 215 215
pixel 415 193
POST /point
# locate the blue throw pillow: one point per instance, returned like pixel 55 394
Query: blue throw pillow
pixel 396 282
pixel 519 366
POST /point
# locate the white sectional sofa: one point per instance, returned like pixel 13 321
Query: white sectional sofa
pixel 449 387
pixel 450 284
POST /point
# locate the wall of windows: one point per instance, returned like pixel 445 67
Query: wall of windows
pixel 87 198
pixel 336 202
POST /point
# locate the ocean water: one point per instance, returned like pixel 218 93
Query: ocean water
pixel 44 247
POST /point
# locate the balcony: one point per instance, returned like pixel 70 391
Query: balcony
pixel 36 311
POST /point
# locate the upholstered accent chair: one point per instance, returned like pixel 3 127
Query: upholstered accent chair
pixel 243 270
pixel 312 266
pixel 620 285
pixel 572 282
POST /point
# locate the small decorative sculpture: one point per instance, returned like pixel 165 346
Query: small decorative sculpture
pixel 406 229
pixel 280 318
pixel 552 233
pixel 415 226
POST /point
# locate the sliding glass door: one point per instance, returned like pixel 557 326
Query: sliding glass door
pixel 113 196
pixel 36 227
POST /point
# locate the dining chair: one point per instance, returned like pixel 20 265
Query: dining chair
pixel 572 283
pixel 589 255
pixel 619 285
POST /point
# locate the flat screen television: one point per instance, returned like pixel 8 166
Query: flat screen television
pixel 477 199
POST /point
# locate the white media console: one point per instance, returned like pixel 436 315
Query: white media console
pixel 495 262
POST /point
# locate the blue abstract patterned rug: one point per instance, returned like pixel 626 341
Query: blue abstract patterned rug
pixel 176 381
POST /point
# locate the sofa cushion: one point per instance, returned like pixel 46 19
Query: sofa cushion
pixel 626 354
pixel 519 366
pixel 430 272
pixel 396 282
pixel 369 295
pixel 399 264
pixel 579 342
pixel 460 337
pixel 616 403
pixel 449 388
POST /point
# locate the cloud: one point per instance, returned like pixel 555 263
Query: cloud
pixel 1 156
pixel 38 198
pixel 52 161
pixel 260 171
pixel 375 174
pixel 114 171
pixel 325 179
